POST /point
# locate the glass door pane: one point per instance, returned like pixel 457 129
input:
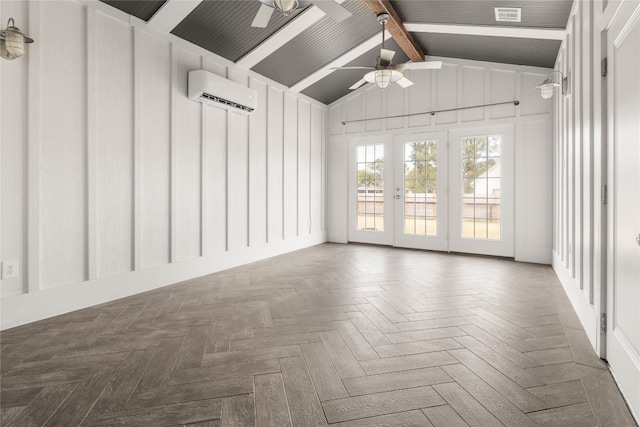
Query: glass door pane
pixel 370 209
pixel 370 187
pixel 420 187
pixel 481 180
pixel 421 191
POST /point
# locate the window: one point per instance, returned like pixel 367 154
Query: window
pixel 420 187
pixel 481 187
pixel 370 163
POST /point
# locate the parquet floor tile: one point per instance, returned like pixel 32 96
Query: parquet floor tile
pixel 345 335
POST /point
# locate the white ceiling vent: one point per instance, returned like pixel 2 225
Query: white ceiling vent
pixel 508 14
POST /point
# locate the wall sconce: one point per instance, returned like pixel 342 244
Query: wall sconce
pixel 12 41
pixel 546 87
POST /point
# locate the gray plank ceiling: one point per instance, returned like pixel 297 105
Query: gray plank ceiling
pixel 464 29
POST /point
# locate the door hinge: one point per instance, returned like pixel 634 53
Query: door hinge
pixel 604 195
pixel 603 323
pixel 447 237
pixel 447 145
pixel 603 67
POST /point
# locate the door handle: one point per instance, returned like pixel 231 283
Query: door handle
pixel 398 197
pixel 638 239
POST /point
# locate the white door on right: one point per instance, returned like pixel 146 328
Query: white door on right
pixel 623 283
pixel 481 178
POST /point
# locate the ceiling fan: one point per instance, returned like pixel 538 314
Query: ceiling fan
pixel 384 73
pixel 330 7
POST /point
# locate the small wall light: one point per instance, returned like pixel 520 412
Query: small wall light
pixel 12 41
pixel 547 87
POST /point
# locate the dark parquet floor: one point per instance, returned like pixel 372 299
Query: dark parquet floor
pixel 347 335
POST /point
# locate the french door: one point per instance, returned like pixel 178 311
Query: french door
pixel 623 246
pixel 425 191
pixel 420 191
pixel 482 191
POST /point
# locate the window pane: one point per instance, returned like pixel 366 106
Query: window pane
pixel 370 187
pixel 420 168
pixel 480 161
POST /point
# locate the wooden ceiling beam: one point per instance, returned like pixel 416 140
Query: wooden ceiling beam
pixel 397 30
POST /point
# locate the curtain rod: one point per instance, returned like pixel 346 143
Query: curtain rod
pixel 432 112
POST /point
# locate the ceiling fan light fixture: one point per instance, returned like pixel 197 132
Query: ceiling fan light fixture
pixel 285 6
pixel 383 78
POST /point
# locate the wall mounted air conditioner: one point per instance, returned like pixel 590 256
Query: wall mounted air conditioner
pixel 212 89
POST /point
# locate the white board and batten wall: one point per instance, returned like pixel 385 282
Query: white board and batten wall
pixel 596 210
pixel 459 83
pixel 113 182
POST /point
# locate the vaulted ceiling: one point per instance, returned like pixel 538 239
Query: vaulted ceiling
pixel 299 50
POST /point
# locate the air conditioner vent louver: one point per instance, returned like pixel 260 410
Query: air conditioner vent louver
pixel 508 14
pixel 226 102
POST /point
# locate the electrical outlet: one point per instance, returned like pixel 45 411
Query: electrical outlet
pixel 9 269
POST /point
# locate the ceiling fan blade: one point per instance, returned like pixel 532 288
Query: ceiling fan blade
pixel 430 65
pixel 404 82
pixel 357 84
pixel 262 17
pixel 352 68
pixel 386 55
pixel 333 10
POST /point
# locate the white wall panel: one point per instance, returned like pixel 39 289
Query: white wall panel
pixel 446 93
pixel 290 173
pixel 315 170
pixel 578 215
pixel 534 207
pixel 154 59
pixel 215 140
pixel 304 153
pixel 238 181
pixel 63 180
pixel 420 99
pixel 353 111
pixel 188 139
pixel 503 89
pixel 13 157
pixel 337 171
pixel 335 120
pixel 472 93
pixel 373 107
pixel 258 167
pixel 394 97
pixel 114 145
pixel 275 165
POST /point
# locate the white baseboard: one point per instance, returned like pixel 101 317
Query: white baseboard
pixel 29 307
pixel 585 311
pixel 337 237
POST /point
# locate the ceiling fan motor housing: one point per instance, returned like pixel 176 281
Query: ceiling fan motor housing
pixel 301 4
pixel 383 18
